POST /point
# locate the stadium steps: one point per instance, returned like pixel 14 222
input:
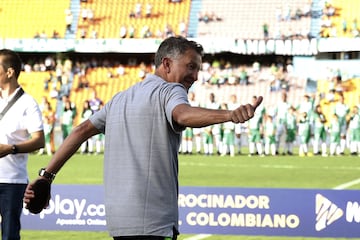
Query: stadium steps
pixel 75 10
pixel 193 18
pixel 315 26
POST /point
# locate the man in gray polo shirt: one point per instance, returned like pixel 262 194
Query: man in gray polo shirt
pixel 143 127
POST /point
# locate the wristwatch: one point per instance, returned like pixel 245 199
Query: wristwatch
pixel 14 149
pixel 43 173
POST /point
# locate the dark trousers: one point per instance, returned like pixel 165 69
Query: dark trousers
pixel 11 204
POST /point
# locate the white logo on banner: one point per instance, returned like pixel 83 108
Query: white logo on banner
pixel 326 212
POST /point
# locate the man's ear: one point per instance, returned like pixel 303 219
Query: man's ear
pixel 10 72
pixel 167 64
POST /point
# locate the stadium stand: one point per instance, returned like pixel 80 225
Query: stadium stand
pixel 349 88
pixel 340 19
pixel 204 20
pixel 245 19
pixel 29 19
pixel 111 15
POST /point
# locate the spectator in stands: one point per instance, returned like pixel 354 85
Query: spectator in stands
pixel 143 126
pixel 83 82
pixel 329 9
pixel 65 88
pixel 145 32
pixel 168 31
pixel 37 35
pixel 244 78
pixel 265 28
pixel 278 14
pixel 84 14
pixel 131 31
pixel 43 35
pixel 307 9
pixel 344 26
pixel 94 34
pixel 182 28
pixel 148 10
pixel 132 14
pixel 354 28
pixel 286 12
pixel 56 34
pixel 83 33
pixel 123 31
pixel 120 70
pixel 298 14
pixel 90 15
pixel 138 9
pixel 68 20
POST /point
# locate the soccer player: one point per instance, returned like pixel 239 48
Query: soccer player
pixel 255 130
pixel 342 110
pixel 238 127
pixel 304 132
pixel 291 128
pixel 335 134
pixel 320 134
pixel 354 131
pixel 281 112
pixel 269 135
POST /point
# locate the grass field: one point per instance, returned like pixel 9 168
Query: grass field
pixel 198 170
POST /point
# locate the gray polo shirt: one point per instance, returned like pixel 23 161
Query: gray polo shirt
pixel 141 162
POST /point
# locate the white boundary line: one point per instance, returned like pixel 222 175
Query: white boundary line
pixel 198 237
pixel 287 166
pixel 347 184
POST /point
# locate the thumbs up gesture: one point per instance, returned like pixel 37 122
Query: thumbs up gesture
pixel 245 112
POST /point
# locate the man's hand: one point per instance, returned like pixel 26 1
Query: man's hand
pixel 245 112
pixel 5 149
pixel 37 195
